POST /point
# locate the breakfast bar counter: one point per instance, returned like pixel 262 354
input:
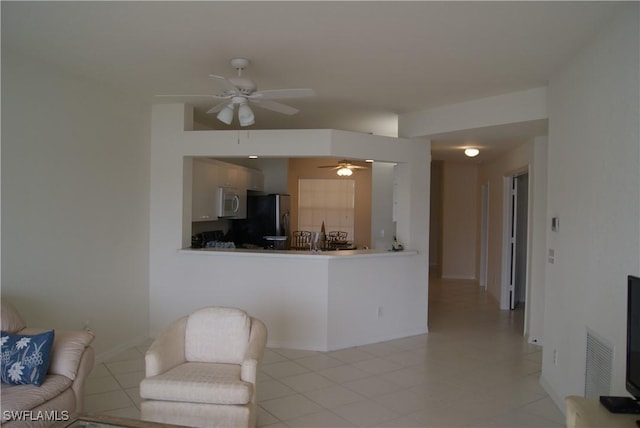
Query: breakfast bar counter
pixel 316 301
pixel 297 253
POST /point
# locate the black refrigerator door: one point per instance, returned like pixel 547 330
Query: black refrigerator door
pixel 263 214
pixel 268 215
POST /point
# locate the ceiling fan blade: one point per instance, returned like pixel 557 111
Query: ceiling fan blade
pixel 274 106
pixel 216 108
pixel 331 166
pixel 229 87
pixel 183 95
pixel 275 94
pixel 217 97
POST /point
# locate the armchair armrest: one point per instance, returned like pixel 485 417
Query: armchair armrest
pixel 255 351
pixel 167 350
pixel 67 351
pixel 84 368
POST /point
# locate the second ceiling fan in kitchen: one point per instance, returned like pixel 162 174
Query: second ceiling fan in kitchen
pixel 239 91
pixel 344 168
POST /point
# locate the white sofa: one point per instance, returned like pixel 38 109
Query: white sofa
pixel 201 370
pixel 62 392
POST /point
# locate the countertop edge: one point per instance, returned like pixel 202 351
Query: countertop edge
pixel 341 254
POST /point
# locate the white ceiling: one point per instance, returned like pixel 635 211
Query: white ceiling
pixel 367 61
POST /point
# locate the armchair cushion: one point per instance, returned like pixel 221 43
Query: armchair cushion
pixel 25 358
pixel 199 383
pixel 226 343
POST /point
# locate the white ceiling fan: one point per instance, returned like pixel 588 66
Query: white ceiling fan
pixel 344 167
pixel 240 91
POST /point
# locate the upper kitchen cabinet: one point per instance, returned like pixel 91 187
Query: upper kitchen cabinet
pixel 255 180
pixel 204 185
pixel 231 176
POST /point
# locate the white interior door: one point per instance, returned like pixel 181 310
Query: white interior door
pixel 522 224
pixel 513 224
pixel 516 248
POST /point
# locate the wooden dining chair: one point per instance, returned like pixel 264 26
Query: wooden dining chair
pixel 300 240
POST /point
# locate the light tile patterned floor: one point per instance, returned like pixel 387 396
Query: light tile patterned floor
pixel 473 369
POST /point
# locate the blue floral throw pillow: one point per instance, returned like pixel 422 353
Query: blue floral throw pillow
pixel 25 358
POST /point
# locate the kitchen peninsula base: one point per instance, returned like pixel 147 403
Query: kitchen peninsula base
pixel 315 301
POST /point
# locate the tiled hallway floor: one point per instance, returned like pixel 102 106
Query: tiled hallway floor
pixel 474 369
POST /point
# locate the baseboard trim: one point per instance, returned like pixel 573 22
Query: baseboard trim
pixel 337 346
pixel 557 400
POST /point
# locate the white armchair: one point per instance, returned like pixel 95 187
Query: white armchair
pixel 201 370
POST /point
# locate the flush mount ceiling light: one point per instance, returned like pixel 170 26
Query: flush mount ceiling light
pixel 471 152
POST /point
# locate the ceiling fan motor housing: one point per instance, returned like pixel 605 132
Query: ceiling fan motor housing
pixel 244 85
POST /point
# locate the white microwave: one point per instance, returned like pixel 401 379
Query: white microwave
pixel 229 202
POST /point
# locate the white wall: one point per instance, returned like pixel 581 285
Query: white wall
pixel 374 299
pixel 594 188
pixel 383 227
pixel 494 173
pixel 537 241
pixel 75 183
pixel 530 157
pixel 513 107
pixel 459 220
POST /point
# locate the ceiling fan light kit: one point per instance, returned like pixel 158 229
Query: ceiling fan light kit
pixel 344 168
pixel 226 114
pixel 344 172
pixel 245 115
pixel 241 91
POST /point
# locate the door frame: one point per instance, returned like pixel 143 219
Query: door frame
pixel 507 219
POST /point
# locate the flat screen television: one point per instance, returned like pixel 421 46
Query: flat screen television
pixel 633 336
pixel 632 377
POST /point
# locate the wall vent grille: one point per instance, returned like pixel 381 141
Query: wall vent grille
pixel 599 367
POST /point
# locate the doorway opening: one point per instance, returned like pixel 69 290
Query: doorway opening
pixel 515 248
